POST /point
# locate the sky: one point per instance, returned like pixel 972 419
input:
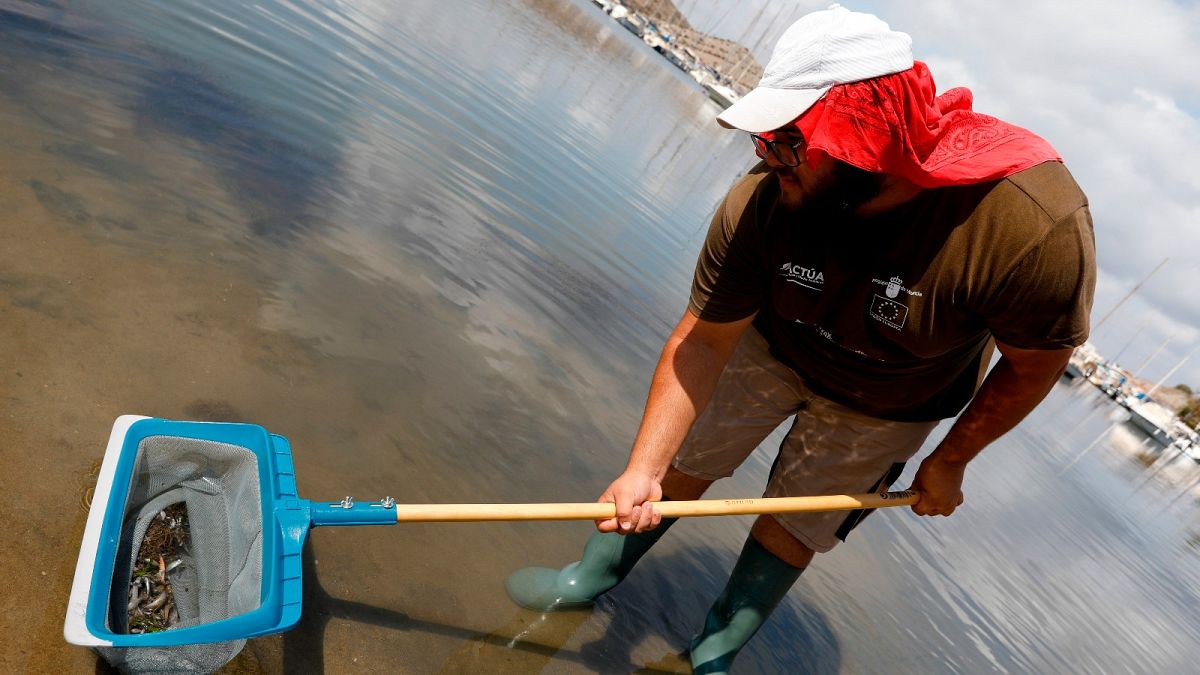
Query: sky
pixel 1112 84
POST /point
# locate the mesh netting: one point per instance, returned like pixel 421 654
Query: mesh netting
pixel 221 570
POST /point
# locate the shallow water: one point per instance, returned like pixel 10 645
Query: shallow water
pixel 439 251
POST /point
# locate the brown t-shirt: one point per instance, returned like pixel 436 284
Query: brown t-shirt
pixel 894 315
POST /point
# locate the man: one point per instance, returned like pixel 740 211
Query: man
pixel 857 279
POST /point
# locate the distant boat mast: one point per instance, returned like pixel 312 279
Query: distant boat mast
pixel 1130 293
pixel 1157 351
pixel 1172 371
pixel 1136 333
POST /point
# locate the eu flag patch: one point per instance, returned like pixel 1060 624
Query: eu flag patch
pixel 889 312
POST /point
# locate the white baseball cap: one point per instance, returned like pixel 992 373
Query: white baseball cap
pixel 822 49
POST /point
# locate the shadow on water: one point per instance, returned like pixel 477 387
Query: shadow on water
pixel 23 31
pixel 798 637
pixel 272 178
pixel 273 173
pixel 26 40
pixel 801 638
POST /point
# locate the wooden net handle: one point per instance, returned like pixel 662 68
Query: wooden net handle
pixel 429 513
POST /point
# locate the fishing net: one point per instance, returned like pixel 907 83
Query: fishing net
pixel 217 574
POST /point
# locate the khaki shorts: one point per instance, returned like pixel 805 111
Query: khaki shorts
pixel 830 449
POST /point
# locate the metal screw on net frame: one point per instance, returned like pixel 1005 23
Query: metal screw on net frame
pixel 347 502
pixel 387 502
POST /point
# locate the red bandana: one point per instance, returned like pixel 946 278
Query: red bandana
pixel 894 124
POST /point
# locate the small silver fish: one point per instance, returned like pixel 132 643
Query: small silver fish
pixel 157 602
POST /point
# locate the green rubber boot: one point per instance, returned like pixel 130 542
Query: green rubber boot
pixel 607 558
pixel 757 584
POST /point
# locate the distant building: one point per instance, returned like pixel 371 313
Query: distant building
pixel 731 64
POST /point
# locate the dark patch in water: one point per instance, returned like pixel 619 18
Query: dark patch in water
pixel 117 224
pixel 183 102
pixel 48 4
pixel 60 202
pixel 800 636
pixel 36 303
pixel 73 208
pixel 212 410
pixel 34 33
pixel 10 283
pixel 272 177
pixel 95 159
pixel 272 171
pixel 50 297
pixel 51 303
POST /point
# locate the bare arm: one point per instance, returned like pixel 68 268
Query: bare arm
pixel 1014 387
pixel 684 380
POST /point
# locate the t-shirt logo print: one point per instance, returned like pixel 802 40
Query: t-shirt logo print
pixel 893 287
pixel 800 275
pixel 889 311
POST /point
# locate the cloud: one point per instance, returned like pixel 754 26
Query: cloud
pixel 1112 85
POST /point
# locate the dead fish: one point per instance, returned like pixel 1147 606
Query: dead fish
pixel 135 599
pixel 157 602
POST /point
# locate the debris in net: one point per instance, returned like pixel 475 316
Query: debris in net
pixel 151 600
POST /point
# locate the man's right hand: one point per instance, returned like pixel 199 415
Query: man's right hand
pixel 631 492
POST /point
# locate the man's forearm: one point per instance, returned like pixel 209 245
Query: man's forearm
pixel 1012 389
pixel 1020 380
pixel 686 376
pixel 684 380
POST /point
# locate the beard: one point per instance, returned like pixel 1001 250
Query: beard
pixel 841 190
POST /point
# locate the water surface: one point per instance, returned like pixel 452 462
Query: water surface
pixel 439 250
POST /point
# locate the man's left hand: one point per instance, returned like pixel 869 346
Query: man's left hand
pixel 940 484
